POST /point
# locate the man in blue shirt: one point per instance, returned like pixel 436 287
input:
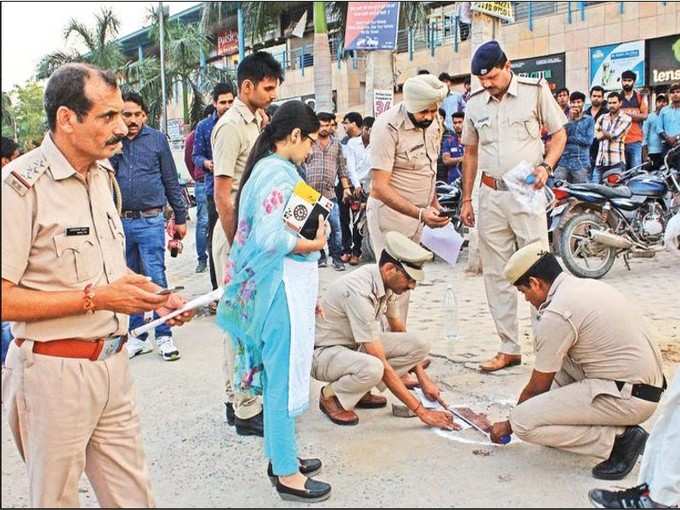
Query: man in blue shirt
pixel 652 143
pixel 455 102
pixel 223 99
pixel 452 148
pixel 669 123
pixel 574 164
pixel 147 177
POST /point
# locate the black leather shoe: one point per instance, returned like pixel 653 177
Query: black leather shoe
pixel 625 452
pixel 314 492
pixel 308 467
pixel 231 417
pixel 251 427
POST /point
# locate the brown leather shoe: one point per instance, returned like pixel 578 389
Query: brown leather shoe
pixel 332 408
pixel 354 260
pixel 500 361
pixel 345 257
pixel 370 401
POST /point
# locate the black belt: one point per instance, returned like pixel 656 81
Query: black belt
pixel 146 213
pixel 645 391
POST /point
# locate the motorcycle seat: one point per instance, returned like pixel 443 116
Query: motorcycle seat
pixel 605 191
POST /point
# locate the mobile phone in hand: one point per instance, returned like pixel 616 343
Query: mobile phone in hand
pixel 164 292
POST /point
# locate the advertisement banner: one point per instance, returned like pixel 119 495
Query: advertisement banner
pixel 608 62
pixel 550 67
pixel 663 55
pixel 372 26
pixel 382 101
pixel 227 43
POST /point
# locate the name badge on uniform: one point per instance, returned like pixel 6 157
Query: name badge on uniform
pixel 78 231
pixel 483 122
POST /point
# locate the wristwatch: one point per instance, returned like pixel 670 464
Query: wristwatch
pixel 547 167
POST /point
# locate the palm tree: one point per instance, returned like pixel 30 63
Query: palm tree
pixel 323 76
pixel 102 50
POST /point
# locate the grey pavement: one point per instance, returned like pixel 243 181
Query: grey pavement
pixel 196 460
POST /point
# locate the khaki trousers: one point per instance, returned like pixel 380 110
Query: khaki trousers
pixel 72 415
pixel 380 220
pixel 354 373
pixel 504 228
pixel 579 415
pixel 245 407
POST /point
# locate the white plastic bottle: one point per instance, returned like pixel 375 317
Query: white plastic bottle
pixel 450 318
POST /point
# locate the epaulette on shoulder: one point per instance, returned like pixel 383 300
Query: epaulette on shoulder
pixel 530 81
pixel 26 173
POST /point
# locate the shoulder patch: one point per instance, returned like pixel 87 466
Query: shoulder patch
pixel 529 81
pixel 22 179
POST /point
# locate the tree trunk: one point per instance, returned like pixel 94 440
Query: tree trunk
pixel 379 75
pixel 185 101
pixel 323 74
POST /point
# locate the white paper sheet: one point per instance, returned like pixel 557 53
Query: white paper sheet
pixel 203 300
pixel 444 242
pixel 436 406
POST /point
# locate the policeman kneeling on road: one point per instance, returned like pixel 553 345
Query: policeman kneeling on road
pixel 353 354
pixel 598 373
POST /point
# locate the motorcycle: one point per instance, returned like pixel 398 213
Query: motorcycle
pixel 610 221
pixel 449 197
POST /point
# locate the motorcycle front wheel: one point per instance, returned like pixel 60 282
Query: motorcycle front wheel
pixel 582 256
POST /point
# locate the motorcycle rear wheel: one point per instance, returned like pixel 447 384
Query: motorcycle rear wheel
pixel 582 256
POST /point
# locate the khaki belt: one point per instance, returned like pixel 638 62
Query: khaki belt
pixel 96 349
pixel 493 183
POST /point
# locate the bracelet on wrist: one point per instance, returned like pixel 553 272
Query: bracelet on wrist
pixel 88 298
pixel 466 200
pixel 415 411
pixel 420 215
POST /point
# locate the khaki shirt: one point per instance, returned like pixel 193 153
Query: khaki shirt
pixel 595 326
pixel 508 131
pixel 232 138
pixel 60 234
pixel 410 154
pixel 353 307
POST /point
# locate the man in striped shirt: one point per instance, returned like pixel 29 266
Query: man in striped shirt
pixel 611 130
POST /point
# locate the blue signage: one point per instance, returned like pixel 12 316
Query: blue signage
pixel 372 26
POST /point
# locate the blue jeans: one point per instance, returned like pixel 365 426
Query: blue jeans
pixel 335 240
pixel 599 170
pixel 6 339
pixel 633 153
pixel 145 254
pixel 201 222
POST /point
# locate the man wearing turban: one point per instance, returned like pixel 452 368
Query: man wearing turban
pixel 405 143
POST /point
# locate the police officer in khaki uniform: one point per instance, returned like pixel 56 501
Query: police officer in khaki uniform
pixel 502 127
pixel 66 287
pixel 353 354
pixel 405 143
pixel 234 135
pixel 598 373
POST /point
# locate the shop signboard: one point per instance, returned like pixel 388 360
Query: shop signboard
pixel 663 57
pixel 227 43
pixel 550 67
pixel 609 61
pixel 372 25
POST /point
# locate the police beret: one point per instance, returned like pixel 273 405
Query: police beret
pixel 628 75
pixel 486 57
pixel 409 254
pixel 523 260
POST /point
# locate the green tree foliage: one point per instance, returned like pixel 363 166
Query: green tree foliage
pixel 22 110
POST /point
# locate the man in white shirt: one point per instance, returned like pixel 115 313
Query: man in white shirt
pixel 359 170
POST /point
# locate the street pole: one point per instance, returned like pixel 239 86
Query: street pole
pixel 164 110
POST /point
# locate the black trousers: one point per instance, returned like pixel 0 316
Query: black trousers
pixel 351 237
pixel 212 221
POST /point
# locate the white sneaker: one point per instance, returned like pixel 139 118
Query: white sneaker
pixel 167 348
pixel 136 346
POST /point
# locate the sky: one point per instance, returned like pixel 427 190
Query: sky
pixel 33 29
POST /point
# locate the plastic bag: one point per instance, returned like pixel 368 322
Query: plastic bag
pixel 672 235
pixel 520 183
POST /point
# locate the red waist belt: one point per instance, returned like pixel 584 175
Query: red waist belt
pixel 74 347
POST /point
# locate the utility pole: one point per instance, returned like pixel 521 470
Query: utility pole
pixel 164 97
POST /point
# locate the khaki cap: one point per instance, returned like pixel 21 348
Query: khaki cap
pixel 523 259
pixel 410 255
